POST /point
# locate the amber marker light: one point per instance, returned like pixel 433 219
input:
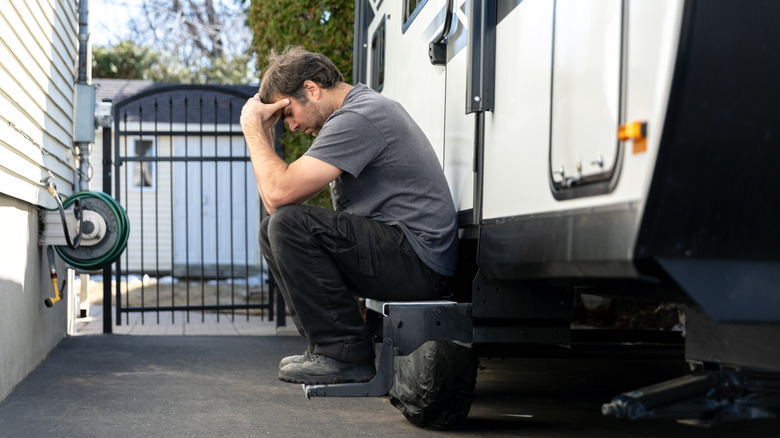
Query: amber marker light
pixel 636 131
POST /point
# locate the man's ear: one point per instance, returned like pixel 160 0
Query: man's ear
pixel 312 90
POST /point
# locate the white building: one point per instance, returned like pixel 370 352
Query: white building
pixel 38 74
pixel 186 217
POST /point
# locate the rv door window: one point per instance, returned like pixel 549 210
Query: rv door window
pixel 377 73
pixel 585 96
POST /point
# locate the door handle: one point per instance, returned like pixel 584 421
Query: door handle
pixel 437 49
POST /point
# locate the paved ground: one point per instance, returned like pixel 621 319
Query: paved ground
pixel 181 323
pixel 209 386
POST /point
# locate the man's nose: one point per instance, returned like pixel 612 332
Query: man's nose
pixel 293 126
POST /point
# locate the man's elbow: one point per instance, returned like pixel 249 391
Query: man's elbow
pixel 278 198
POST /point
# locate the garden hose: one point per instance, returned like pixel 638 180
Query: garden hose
pixel 76 212
pixel 111 245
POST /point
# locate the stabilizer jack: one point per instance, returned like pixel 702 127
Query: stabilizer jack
pixel 705 398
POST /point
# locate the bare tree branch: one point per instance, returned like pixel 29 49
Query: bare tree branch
pixel 202 35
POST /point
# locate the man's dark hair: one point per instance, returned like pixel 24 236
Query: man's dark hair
pixel 287 71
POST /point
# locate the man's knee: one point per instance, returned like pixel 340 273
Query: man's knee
pixel 263 238
pixel 284 220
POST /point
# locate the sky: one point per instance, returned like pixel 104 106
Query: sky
pixel 108 20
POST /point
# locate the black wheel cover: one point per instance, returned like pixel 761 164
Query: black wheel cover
pixel 433 387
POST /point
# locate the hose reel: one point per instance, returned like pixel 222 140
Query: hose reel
pixel 98 222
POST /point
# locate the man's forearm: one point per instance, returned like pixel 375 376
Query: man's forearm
pixel 266 164
pixel 280 183
pixel 257 120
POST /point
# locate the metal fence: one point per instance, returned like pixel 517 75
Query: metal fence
pixel 181 171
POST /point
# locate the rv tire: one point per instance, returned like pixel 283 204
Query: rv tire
pixel 434 385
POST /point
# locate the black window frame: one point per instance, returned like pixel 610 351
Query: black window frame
pixel 410 15
pixel 379 38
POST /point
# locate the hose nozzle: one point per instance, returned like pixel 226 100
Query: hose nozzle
pixel 53 272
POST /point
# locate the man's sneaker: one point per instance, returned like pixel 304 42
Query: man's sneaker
pixel 322 370
pixel 294 359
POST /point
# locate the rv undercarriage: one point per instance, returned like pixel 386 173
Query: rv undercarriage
pixel 442 340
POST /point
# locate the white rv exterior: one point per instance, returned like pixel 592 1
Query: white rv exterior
pixel 621 148
pixel 557 105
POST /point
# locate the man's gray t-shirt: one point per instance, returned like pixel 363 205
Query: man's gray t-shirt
pixel 391 174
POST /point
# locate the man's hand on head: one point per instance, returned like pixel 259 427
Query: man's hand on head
pixel 258 117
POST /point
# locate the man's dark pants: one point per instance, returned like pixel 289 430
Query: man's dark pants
pixel 321 258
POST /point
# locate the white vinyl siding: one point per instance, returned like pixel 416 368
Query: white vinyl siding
pixel 38 58
pixel 38 72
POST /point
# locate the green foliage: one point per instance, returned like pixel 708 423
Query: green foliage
pixel 324 26
pixel 127 60
pixel 225 70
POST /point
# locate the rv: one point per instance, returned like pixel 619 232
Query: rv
pixel 600 154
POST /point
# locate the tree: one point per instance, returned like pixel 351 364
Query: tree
pixel 319 26
pixel 191 41
pixel 127 60
pixel 324 26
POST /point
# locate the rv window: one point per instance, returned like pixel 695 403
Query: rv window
pixel 378 57
pixel 143 171
pixel 411 9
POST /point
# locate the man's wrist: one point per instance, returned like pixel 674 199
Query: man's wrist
pixel 258 139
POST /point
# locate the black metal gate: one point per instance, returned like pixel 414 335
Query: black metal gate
pixel 182 172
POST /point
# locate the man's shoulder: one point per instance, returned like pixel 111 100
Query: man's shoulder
pixel 361 96
pixel 350 116
pixel 348 122
pixel 362 105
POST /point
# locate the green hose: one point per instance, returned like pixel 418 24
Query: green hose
pixel 123 232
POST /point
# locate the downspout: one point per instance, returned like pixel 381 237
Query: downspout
pixel 83 39
pixel 84 118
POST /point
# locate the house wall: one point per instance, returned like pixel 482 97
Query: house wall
pixel 38 58
pixel 28 329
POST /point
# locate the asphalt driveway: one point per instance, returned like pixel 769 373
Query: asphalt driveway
pixel 215 386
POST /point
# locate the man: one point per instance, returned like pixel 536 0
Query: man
pixel 393 234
